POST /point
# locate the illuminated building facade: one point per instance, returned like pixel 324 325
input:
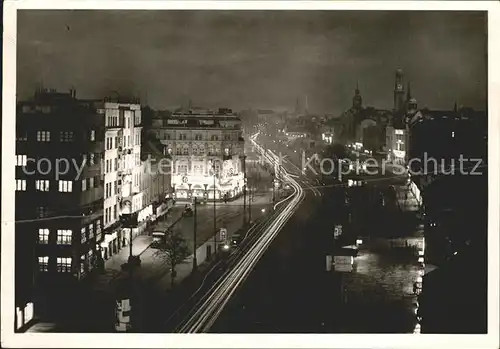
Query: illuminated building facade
pixel 122 169
pixel 206 151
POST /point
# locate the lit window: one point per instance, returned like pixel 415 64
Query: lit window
pixel 21 160
pixel 92 135
pixel 66 136
pixel 65 186
pixel 91 230
pixel 91 182
pixel 43 236
pixel 98 230
pixel 43 136
pixel 21 184
pixel 42 184
pixel 91 159
pixel 83 235
pixel 22 136
pixel 64 236
pixel 64 264
pixel 43 263
pixel 42 212
pixel 84 184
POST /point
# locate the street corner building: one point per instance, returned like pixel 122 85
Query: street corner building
pixel 79 166
pixel 206 151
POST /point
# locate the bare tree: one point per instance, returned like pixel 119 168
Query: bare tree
pixel 174 251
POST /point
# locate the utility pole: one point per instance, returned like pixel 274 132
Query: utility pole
pixel 215 219
pixel 274 195
pixel 195 261
pixel 244 204
pixel 244 190
pixel 250 206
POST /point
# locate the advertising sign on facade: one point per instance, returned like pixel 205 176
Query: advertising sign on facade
pixel 343 263
pixel 223 234
pixel 337 231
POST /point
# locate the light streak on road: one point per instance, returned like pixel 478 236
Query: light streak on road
pixel 211 306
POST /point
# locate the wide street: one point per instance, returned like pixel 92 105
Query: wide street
pixel 289 290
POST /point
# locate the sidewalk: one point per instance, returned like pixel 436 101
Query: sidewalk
pixel 112 266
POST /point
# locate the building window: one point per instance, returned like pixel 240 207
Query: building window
pixel 115 212
pixel 178 151
pixel 43 136
pixel 43 236
pixel 64 236
pixel 98 230
pixel 42 184
pixel 66 136
pixel 116 165
pixel 198 137
pixel 43 263
pixel 42 211
pixel 21 160
pixel 21 184
pixel 65 186
pixel 107 166
pixel 91 159
pixel 91 230
pixel 198 170
pixel 182 137
pixel 91 182
pixel 92 135
pixel 84 184
pixel 22 136
pixel 83 235
pixel 64 264
pixel 108 190
pixel 227 137
pixel 215 138
pixel 185 151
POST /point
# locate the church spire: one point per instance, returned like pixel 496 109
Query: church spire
pixel 408 92
pixel 357 101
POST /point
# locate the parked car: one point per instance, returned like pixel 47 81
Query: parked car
pixel 159 238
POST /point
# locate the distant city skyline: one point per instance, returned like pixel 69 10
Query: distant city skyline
pixel 256 59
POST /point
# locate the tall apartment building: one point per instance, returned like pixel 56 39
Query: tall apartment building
pixel 122 170
pixel 59 197
pixel 206 150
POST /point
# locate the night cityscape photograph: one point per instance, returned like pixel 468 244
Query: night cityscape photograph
pixel 249 172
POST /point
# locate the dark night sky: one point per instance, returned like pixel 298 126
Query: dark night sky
pixel 258 59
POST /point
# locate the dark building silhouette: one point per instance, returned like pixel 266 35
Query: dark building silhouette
pixel 56 132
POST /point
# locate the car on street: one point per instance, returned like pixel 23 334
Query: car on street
pixel 235 240
pixel 159 238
